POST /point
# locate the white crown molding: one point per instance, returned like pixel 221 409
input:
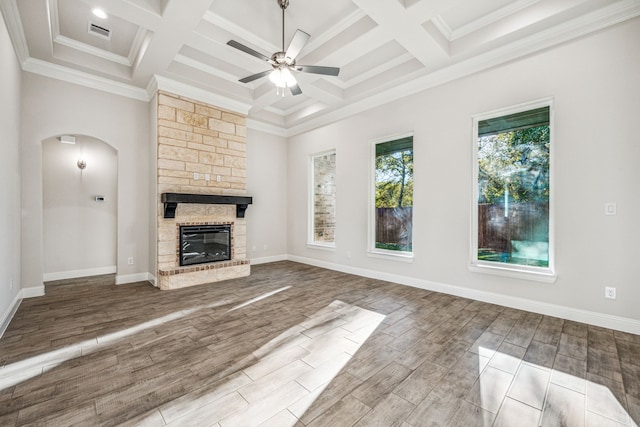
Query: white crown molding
pixel 197 65
pixel 182 89
pixel 603 18
pixel 584 316
pixel 267 128
pixel 11 15
pixel 490 18
pixel 94 51
pixel 81 78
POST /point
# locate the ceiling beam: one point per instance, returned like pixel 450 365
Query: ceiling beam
pixel 178 23
pixel 397 21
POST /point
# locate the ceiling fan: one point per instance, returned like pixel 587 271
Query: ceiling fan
pixel 284 62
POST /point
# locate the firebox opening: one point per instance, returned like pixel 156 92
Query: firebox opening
pixel 201 244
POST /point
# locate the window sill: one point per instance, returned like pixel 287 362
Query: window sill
pixel 536 276
pixel 391 256
pixel 329 248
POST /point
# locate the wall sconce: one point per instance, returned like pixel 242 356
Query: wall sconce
pixel 81 164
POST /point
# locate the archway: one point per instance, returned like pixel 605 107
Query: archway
pixel 80 176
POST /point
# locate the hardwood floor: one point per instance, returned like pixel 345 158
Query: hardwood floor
pixel 295 345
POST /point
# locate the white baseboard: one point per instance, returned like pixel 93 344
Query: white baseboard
pixel 9 313
pixel 36 291
pixel 584 316
pixel 268 259
pixel 73 274
pixel 151 278
pixel 7 316
pixel 133 278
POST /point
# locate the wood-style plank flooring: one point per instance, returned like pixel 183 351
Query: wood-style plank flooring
pixel 295 345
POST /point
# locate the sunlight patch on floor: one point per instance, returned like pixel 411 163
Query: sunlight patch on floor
pixel 523 393
pixel 292 371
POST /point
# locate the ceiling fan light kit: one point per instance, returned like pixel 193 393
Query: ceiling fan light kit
pixel 284 62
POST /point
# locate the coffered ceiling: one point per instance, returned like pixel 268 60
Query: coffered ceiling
pixel 386 49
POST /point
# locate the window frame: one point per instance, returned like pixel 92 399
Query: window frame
pixel 372 251
pixel 311 242
pixel 540 274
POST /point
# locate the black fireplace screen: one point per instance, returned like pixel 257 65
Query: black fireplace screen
pixel 204 243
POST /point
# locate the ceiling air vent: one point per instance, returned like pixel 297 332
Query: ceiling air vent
pixel 99 31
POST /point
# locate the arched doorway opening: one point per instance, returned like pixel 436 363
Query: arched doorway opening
pixel 80 176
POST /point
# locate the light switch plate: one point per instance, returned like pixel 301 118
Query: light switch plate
pixel 610 209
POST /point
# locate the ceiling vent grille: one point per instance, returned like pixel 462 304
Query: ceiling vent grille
pixel 99 31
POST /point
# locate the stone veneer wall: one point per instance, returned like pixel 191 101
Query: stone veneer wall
pixel 195 138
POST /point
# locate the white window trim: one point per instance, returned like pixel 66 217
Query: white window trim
pixel 372 251
pixel 311 243
pixel 538 274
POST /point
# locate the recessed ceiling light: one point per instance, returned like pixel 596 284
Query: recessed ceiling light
pixel 99 13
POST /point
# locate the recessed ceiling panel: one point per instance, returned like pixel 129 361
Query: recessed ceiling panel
pixel 376 59
pixel 74 18
pixel 264 17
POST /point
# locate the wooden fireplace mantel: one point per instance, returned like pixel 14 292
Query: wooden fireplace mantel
pixel 171 201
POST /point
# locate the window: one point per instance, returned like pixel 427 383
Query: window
pixel 323 199
pixel 512 224
pixel 392 213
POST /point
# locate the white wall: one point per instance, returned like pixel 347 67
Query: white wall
pixel 9 177
pixel 596 85
pixel 51 108
pixel 267 183
pixel 79 233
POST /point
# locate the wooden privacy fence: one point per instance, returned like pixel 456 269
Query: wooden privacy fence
pixel 393 225
pixel 525 222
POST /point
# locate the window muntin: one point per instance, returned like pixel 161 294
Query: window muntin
pixel 323 199
pixel 392 231
pixel 512 222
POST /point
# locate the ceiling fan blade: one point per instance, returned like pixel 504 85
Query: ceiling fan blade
pixel 248 50
pixel 328 71
pixel 256 76
pixel 295 89
pixel 300 39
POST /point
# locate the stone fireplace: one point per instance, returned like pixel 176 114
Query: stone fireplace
pixel 201 183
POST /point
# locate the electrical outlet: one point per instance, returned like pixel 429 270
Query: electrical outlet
pixel 610 292
pixel 196 176
pixel 218 178
pixel 130 260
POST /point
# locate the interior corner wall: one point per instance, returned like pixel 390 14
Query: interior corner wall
pixel 267 184
pixel 153 190
pixel 595 82
pixel 52 107
pixel 10 279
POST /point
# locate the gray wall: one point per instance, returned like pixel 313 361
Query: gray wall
pixel 9 176
pixel 51 108
pixel 267 184
pixel 596 86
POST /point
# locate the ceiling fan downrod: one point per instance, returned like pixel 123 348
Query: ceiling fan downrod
pixel 283 5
